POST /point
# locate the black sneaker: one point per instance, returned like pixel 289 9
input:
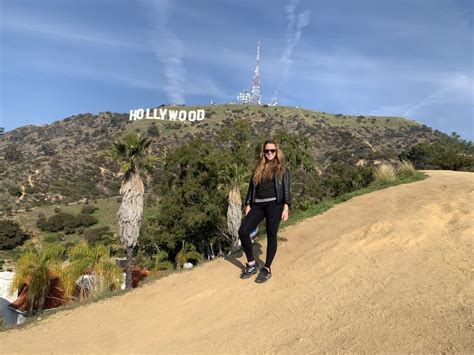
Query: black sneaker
pixel 263 276
pixel 249 271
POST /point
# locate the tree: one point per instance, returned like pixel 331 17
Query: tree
pixel 39 266
pixel 11 235
pixel 132 154
pixel 233 177
pixel 192 208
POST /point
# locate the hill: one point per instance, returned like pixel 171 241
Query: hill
pixel 64 162
pixel 384 272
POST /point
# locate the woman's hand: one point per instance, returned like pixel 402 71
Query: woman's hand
pixel 247 209
pixel 284 214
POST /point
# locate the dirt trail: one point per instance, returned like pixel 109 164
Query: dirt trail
pixel 390 271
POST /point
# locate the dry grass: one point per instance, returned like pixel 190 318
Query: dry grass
pixel 406 168
pixel 385 173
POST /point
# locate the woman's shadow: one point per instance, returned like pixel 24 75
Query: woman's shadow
pixel 234 256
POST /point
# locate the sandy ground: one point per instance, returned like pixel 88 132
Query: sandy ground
pixel 390 271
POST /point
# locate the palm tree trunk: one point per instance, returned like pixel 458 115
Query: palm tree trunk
pixel 234 217
pixel 130 216
pixel 128 268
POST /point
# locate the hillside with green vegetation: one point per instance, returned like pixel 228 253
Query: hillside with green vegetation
pixel 65 161
pixel 60 185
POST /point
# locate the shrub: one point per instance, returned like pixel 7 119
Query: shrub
pixel 58 222
pixel 11 235
pixel 153 131
pixel 14 191
pixel 66 222
pixel 13 153
pixel 187 253
pixel 41 222
pixel 385 173
pixel 52 238
pixel 340 177
pixel 85 220
pixel 161 261
pixel 96 261
pixel 87 209
pixel 406 168
pixel 99 235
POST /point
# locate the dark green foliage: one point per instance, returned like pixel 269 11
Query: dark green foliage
pixel 66 222
pixel 84 220
pixel 100 235
pixel 11 235
pixel 41 222
pixel 13 153
pixel 307 188
pixel 191 207
pixel 48 149
pixel 340 177
pixel 153 131
pixel 89 209
pixel 296 149
pixel 448 152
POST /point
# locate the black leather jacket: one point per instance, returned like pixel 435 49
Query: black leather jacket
pixel 282 187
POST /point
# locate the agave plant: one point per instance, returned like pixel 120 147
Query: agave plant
pixel 233 177
pixel 132 154
pixel 38 266
pixel 95 261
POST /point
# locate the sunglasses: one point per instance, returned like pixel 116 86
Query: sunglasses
pixel 269 151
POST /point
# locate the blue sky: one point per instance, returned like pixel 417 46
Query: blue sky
pixel 409 58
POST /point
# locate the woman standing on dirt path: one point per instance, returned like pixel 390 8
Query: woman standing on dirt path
pixel 268 197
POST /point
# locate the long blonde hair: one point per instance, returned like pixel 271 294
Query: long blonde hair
pixel 265 170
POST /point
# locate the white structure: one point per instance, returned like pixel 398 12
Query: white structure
pixel 243 97
pixel 253 97
pixel 7 315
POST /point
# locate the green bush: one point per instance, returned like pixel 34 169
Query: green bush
pixel 66 222
pixel 340 177
pixel 448 152
pixel 52 238
pixel 85 220
pixel 88 209
pixel 11 235
pixel 99 235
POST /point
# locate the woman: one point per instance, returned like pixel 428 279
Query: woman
pixel 268 197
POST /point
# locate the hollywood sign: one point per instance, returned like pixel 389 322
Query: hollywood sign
pixel 165 114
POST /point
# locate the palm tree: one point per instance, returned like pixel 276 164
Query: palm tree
pixel 233 177
pixel 37 268
pixel 132 154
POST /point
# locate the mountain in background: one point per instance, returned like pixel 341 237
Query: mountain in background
pixel 66 161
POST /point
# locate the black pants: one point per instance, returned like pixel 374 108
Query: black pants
pixel 272 214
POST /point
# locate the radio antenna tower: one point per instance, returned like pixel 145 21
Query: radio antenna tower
pixel 255 98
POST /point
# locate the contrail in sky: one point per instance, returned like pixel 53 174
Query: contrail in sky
pixel 169 50
pixel 296 23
